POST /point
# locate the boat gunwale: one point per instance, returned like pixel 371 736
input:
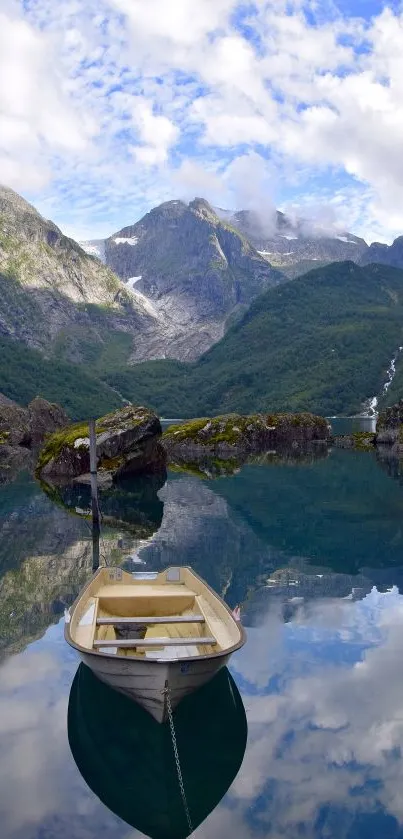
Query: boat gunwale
pixel 139 659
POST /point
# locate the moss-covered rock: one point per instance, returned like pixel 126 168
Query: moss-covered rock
pixel 127 442
pixel 234 435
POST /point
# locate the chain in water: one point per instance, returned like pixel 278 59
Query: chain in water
pixel 177 761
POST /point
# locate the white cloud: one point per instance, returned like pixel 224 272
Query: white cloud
pixel 346 726
pixel 36 119
pixel 116 98
pixel 156 133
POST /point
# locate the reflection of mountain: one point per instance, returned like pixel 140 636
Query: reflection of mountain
pixel 341 512
pixel 30 525
pixel 127 758
pixel 46 557
pixel 198 529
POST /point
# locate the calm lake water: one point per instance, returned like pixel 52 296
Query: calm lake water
pixel 313 550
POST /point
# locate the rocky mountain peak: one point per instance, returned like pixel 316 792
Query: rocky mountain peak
pixel 204 210
pixel 384 254
pixel 12 203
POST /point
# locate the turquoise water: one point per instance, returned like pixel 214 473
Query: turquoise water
pixel 313 552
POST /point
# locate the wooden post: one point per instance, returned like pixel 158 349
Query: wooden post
pixel 94 496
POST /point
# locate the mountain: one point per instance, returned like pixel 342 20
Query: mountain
pixel 148 251
pixel 323 343
pixel 295 245
pixel 192 267
pixel 53 296
pixel 384 254
pixel 184 275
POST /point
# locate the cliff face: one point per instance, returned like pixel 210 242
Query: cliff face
pixel 53 296
pixel 22 430
pixel 192 268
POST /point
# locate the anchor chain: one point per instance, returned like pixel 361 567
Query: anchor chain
pixel 176 755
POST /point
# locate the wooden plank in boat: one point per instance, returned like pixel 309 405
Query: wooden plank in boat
pixel 156 642
pixel 159 619
pixel 144 590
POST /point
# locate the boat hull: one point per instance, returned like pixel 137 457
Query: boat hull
pixel 145 681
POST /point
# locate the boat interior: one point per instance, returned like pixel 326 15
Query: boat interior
pixel 163 616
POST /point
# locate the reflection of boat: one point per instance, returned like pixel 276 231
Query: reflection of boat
pixel 127 759
pixel 152 636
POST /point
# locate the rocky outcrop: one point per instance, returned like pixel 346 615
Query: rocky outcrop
pixel 22 430
pixel 237 436
pixel 389 428
pixel 28 426
pixel 127 442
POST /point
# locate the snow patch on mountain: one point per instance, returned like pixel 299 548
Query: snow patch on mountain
pixel 94 247
pixel 146 303
pixel 132 240
pixel 131 282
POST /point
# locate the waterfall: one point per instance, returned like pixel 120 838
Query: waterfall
pixel 371 405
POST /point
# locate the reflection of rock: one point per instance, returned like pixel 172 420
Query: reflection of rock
pixel 360 440
pixel 127 758
pixel 127 443
pixel 239 436
pixel 22 430
pixel 390 461
pixel 215 467
pixel 131 503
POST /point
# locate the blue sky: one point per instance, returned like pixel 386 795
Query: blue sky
pixel 108 107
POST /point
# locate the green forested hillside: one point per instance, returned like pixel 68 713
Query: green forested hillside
pixel 24 374
pixel 321 343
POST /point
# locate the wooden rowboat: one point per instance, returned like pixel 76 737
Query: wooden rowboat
pixel 155 637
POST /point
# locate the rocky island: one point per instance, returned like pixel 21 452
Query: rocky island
pixel 127 442
pixel 234 437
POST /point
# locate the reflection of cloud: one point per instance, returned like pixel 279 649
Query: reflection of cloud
pixel 323 696
pixel 331 728
pixel 41 792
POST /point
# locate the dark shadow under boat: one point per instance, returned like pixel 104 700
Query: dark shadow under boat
pixel 127 758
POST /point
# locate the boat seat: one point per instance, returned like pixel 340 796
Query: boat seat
pixel 151 620
pixel 144 590
pixel 156 642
